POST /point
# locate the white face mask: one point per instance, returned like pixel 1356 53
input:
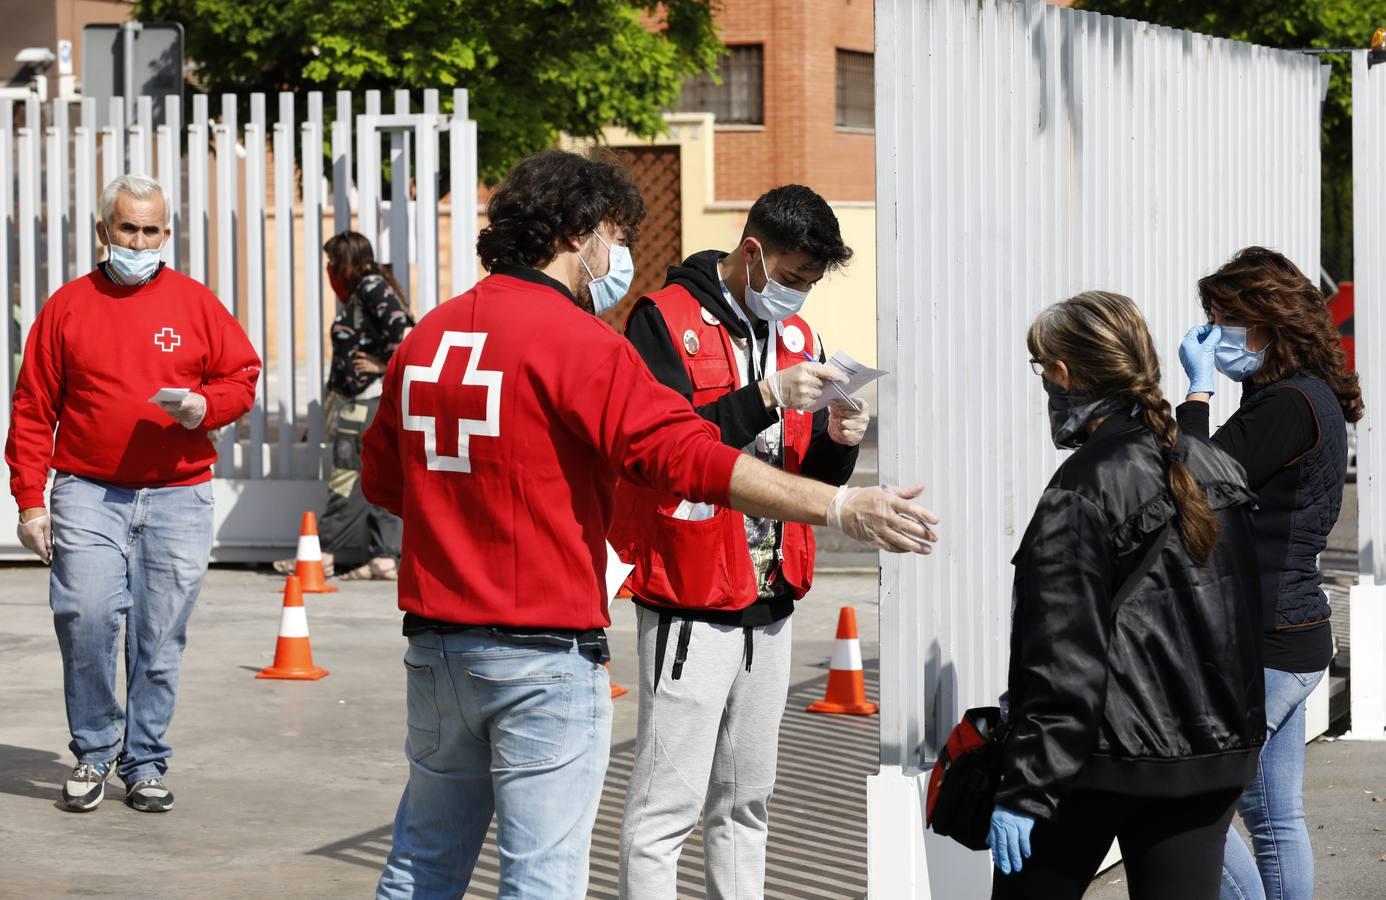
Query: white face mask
pixel 132 266
pixel 608 290
pixel 774 302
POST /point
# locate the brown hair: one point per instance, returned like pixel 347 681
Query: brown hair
pixel 1106 346
pixel 349 254
pixel 1262 287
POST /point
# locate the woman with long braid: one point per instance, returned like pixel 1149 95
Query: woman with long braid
pixel 1269 328
pixel 1135 669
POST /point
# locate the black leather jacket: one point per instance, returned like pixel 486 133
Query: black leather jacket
pixel 1163 696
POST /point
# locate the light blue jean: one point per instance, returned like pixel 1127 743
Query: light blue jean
pixel 1272 807
pixel 521 732
pixel 132 557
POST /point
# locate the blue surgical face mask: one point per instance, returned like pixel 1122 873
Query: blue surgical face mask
pixel 608 290
pixel 132 266
pixel 1232 358
pixel 774 302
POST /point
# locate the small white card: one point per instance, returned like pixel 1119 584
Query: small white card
pixel 859 375
pixel 169 395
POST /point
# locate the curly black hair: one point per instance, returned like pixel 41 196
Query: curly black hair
pixel 794 219
pixel 551 196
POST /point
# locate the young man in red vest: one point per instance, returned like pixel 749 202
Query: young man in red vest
pixel 715 589
pixel 506 417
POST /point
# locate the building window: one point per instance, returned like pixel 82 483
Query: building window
pixel 856 89
pixel 740 98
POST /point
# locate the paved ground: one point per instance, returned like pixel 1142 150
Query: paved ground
pixel 287 789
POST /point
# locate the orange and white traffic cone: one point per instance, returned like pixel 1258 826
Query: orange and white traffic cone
pixel 311 576
pixel 616 689
pixel 293 656
pixel 846 683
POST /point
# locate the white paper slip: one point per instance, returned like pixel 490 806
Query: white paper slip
pixel 616 573
pixel 859 375
pixel 169 395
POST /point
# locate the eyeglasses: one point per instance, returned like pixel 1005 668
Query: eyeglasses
pixel 1037 366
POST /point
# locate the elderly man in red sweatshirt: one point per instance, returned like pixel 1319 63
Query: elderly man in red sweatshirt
pixel 130 527
pixel 507 417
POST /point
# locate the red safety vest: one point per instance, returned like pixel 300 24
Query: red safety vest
pixel 706 564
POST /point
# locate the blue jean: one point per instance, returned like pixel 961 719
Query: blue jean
pixel 521 732
pixel 131 556
pixel 1272 807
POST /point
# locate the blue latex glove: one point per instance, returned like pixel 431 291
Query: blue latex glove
pixel 1009 839
pixel 1197 354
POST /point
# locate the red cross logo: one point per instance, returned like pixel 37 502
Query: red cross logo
pixel 444 401
pixel 167 339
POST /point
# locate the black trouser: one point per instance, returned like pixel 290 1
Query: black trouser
pixel 1171 847
pixel 352 530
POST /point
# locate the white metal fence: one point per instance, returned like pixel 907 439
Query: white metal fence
pixel 1025 153
pixel 227 183
pixel 1368 598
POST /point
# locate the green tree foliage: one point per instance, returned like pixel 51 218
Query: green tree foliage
pixel 534 68
pixel 1294 24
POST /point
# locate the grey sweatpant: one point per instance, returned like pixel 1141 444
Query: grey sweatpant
pixel 707 744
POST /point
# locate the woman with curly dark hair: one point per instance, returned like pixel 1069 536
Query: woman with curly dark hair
pixel 1269 328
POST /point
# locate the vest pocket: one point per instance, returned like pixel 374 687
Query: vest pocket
pixel 704 562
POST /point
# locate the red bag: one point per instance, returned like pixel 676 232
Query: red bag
pixel 964 780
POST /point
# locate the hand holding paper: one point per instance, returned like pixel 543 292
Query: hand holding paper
pixel 858 375
pixel 186 408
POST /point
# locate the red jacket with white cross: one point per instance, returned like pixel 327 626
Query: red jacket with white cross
pixel 96 354
pixel 506 418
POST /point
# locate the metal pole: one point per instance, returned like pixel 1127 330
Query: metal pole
pixel 284 134
pixel 312 282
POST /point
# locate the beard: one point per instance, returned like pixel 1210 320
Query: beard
pixel 583 296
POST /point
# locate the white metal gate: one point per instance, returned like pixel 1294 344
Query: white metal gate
pixel 1368 597
pixel 238 193
pixel 1024 153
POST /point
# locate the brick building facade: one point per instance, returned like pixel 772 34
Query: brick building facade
pixel 795 100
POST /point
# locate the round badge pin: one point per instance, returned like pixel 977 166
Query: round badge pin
pixel 793 339
pixel 708 317
pixel 690 342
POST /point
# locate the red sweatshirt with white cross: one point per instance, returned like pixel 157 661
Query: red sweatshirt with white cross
pixel 97 352
pixel 507 416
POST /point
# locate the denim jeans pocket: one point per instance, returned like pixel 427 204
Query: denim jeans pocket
pixel 530 715
pixel 204 492
pixel 1308 679
pixel 423 718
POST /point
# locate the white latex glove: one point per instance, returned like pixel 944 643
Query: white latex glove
pixel 37 536
pixel 799 387
pixel 188 412
pixel 846 423
pixel 884 518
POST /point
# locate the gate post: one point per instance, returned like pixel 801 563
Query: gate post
pixel 1367 681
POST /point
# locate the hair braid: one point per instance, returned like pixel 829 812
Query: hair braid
pixel 1197 521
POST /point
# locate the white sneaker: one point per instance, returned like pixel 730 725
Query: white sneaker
pixel 150 795
pixel 85 788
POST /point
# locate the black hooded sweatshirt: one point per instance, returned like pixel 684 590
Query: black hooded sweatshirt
pixel 740 414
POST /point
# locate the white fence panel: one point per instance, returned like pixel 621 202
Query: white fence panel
pixel 1025 153
pixel 1368 597
pixel 225 181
